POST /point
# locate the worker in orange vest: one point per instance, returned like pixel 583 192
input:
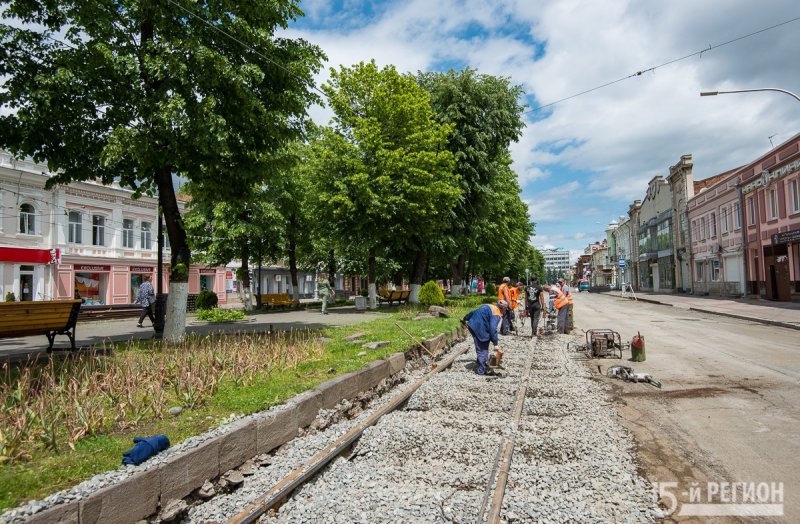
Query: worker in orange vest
pixel 482 324
pixel 504 293
pixel 567 289
pixel 562 307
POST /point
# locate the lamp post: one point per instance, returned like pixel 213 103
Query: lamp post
pixel 715 93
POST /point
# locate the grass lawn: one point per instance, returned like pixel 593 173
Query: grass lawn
pixel 107 400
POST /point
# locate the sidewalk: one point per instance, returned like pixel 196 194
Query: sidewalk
pixel 782 314
pixel 101 332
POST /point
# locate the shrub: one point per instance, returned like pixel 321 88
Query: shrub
pixel 10 297
pixel 221 315
pixel 206 300
pixel 491 290
pixel 431 294
pixel 364 292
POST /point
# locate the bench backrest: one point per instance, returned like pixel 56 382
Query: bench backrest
pixel 18 319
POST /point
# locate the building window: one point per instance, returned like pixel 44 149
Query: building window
pixel 98 230
pixel 773 204
pixel 127 233
pixel 75 226
pixel 794 195
pixel 712 225
pixel 147 236
pixel 737 216
pixel 715 270
pixel 698 271
pixel 723 218
pixel 751 211
pixel 703 230
pixel 27 219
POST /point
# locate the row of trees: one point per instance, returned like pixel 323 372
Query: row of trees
pixel 411 179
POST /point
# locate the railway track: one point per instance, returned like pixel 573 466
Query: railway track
pixel 455 447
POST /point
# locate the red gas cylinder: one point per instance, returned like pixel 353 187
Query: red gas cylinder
pixel 637 348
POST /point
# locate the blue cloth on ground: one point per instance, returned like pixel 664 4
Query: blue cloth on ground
pixel 144 448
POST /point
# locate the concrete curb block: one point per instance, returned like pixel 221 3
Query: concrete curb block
pixel 751 319
pixel 758 320
pixel 140 495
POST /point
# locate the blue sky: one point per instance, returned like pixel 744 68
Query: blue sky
pixel 581 162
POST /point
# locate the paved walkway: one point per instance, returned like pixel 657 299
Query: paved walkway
pixel 104 331
pixel 783 314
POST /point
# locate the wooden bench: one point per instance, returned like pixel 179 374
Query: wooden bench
pixel 401 297
pixel 46 317
pixel 278 299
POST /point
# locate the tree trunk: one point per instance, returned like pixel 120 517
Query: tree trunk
pixel 332 268
pixel 373 292
pixel 175 321
pixel 292 252
pixel 418 267
pixel 457 269
pixel 246 293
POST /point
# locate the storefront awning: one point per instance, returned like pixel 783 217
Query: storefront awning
pixel 29 256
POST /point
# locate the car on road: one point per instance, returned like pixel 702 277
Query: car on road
pixel 584 285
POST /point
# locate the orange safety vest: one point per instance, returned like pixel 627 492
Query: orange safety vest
pixel 514 297
pixel 503 293
pixel 569 296
pixel 561 298
pixel 495 310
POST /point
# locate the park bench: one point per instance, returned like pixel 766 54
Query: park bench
pixel 401 297
pixel 46 317
pixel 278 299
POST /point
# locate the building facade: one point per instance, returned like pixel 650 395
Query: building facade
pixel 682 189
pixel 770 202
pixel 656 264
pixel 556 260
pixel 716 249
pixel 82 240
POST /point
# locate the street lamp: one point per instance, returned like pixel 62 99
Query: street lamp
pixel 715 93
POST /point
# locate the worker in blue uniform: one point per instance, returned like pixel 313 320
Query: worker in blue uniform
pixel 482 324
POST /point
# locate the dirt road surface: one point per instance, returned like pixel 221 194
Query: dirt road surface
pixel 729 409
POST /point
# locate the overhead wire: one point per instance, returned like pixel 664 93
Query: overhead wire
pixel 668 62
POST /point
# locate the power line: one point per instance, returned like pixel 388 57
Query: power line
pixel 653 68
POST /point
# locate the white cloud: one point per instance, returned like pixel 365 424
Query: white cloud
pixel 616 138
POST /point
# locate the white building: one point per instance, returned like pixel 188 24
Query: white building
pixel 556 260
pixel 83 239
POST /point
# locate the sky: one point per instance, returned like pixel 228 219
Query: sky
pixel 582 161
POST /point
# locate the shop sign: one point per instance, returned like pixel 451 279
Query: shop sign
pixel 141 269
pixel 786 237
pixel 80 267
pixel 768 176
pixel 229 275
pixel 208 271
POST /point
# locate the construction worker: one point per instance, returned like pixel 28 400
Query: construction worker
pixel 535 304
pixel 561 304
pixel 482 324
pixel 504 293
pixel 567 289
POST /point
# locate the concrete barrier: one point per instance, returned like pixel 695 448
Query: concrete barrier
pixel 140 495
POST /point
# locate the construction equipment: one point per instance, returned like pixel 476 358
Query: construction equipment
pixel 628 375
pixel 601 343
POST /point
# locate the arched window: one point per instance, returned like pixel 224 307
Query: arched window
pixel 27 219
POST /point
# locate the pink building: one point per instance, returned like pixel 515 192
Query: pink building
pixel 771 204
pixel 716 248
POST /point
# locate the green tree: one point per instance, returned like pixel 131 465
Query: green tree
pixel 487 116
pixel 383 176
pixel 138 91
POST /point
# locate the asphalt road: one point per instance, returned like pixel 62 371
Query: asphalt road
pixel 729 410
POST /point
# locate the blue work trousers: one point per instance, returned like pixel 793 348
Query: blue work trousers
pixel 482 350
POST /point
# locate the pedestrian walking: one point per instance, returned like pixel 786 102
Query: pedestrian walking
pixel 325 292
pixel 146 297
pixel 504 293
pixel 482 324
pixel 534 302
